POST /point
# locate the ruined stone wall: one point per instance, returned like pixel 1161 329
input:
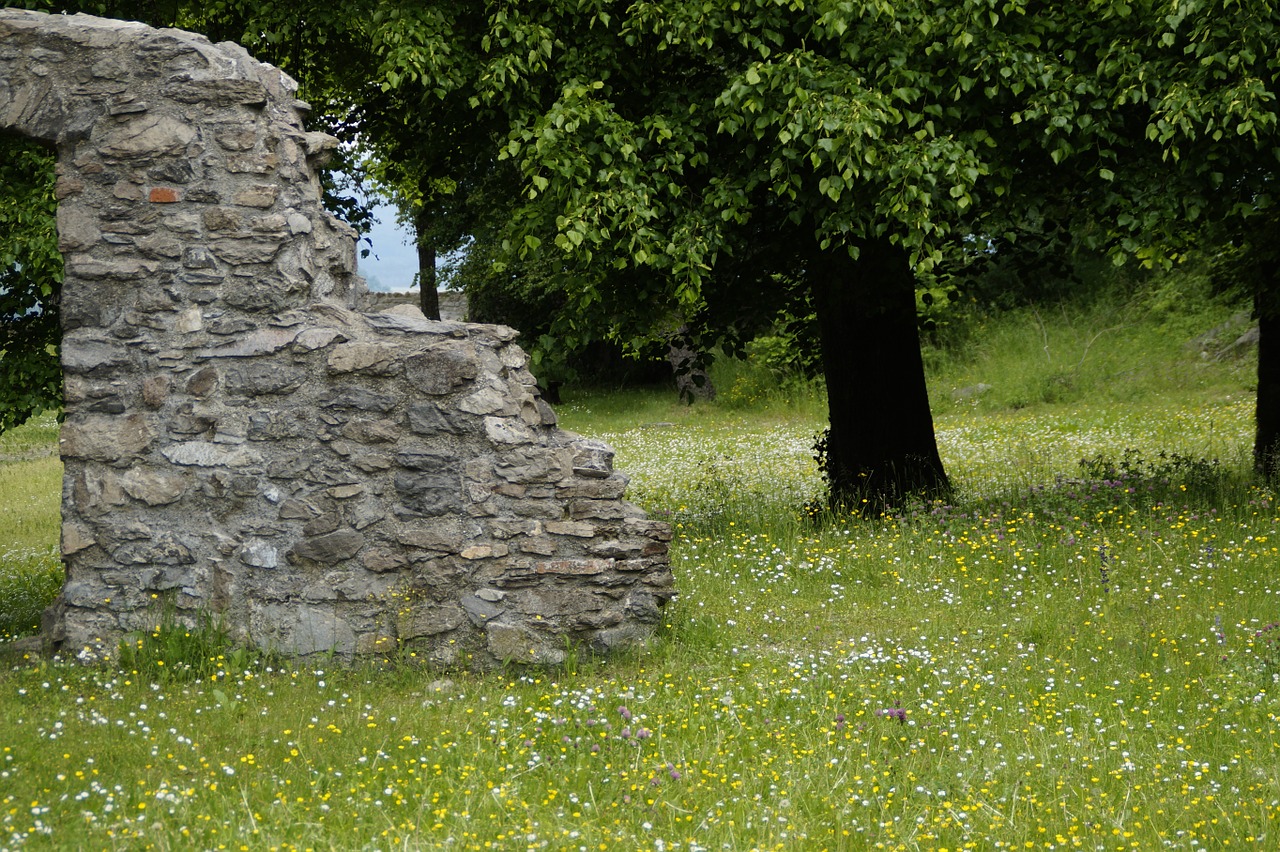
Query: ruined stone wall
pixel 240 443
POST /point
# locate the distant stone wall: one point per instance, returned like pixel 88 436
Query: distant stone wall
pixel 453 305
pixel 240 443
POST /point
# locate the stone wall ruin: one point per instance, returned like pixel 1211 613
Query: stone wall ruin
pixel 240 443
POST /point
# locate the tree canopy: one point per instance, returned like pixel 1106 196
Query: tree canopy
pixel 669 164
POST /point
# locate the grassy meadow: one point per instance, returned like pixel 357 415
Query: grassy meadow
pixel 1063 656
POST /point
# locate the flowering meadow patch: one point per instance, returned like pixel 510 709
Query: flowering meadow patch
pixel 1051 661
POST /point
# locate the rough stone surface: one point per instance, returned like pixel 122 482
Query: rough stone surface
pixel 241 441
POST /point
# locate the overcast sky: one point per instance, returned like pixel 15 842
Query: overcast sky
pixel 392 260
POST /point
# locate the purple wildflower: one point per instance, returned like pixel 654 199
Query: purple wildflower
pixel 893 713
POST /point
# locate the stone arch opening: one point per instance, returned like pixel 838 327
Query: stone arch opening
pixel 30 272
pixel 240 442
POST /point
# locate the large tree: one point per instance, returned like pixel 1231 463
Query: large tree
pixel 679 159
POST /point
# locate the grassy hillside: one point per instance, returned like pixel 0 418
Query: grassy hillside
pixel 1064 656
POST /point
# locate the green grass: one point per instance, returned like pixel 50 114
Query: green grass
pixel 1062 657
pixel 1116 351
pixel 35 438
pixel 30 491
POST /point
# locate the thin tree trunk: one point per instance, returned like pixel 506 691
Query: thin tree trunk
pixel 429 297
pixel 1266 443
pixel 881 445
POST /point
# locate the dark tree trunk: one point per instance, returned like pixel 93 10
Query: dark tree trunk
pixel 881 446
pixel 1266 442
pixel 429 297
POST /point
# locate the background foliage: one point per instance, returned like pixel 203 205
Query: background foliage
pixel 30 282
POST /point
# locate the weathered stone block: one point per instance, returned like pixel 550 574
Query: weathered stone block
pixel 655 530
pixel 260 341
pixel 541 545
pixel 602 510
pixel 92 356
pixel 236 137
pixel 219 93
pixel 573 566
pixel 330 548
pixel 384 559
pixel 444 368
pixel 298 510
pixel 611 487
pixel 428 619
pixel 261 379
pixel 371 431
pixel 209 454
pixel 414 459
pixel 444 534
pixel 488 400
pixel 359 399
pixel 321 524
pixel 162 549
pixel 484 551
pixel 260 553
pixel 371 358
pixel 245 249
pixel 578 529
pixel 517 643
pixel 429 494
pixel 503 431
pixel 277 425
pixel 106 439
pixel 427 419
pixel 259 195
pixel 153 487
pixel 593 459
pixel 479 610
pixel 147 135
pixel 315 631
